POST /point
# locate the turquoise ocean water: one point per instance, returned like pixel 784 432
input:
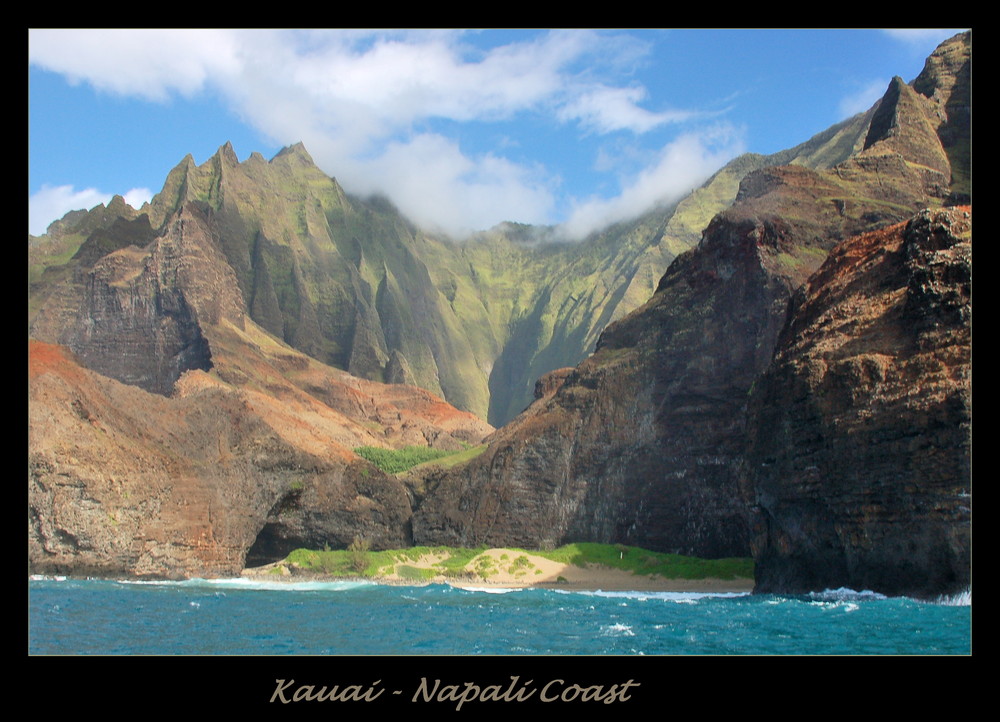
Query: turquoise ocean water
pixel 240 617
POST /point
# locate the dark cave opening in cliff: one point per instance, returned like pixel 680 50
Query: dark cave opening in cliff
pixel 277 538
pixel 272 545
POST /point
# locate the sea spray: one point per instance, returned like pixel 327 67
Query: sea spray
pixel 961 599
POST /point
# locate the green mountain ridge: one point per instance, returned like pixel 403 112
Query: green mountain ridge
pixel 354 284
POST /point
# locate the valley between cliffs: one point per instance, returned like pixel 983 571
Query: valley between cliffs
pixel 779 365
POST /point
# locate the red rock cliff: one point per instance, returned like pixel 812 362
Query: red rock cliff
pixel 859 460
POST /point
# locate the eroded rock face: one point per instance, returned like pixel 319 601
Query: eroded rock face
pixel 859 461
pixel 947 81
pixel 178 472
pixel 136 313
pixel 644 442
pixel 125 482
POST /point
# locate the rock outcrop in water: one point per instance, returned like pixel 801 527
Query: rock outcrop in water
pixel 859 458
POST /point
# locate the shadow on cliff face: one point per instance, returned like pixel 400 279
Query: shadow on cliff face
pixel 859 456
pixel 277 539
pixel 330 509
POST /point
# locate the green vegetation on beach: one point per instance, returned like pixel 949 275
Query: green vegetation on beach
pixel 643 561
pixel 453 561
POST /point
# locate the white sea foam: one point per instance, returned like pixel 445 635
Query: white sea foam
pixel 240 583
pixel 845 604
pixel 683 597
pixel 252 584
pixel 493 590
pixel 962 599
pixel 623 630
pixel 844 594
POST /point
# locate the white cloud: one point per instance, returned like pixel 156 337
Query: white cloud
pixel 401 77
pixel 405 81
pixel 681 166
pixel 137 196
pixel 921 35
pixel 438 187
pixel 53 202
pixel 363 102
pixel 148 63
pixel 609 109
pixel 863 98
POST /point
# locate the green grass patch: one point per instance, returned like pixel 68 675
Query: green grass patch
pixel 460 557
pixel 393 461
pixel 455 458
pixel 521 563
pixel 405 571
pixel 340 562
pixel 616 556
pixel 345 562
pixel 643 561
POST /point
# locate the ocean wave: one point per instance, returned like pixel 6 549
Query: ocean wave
pixel 844 594
pixel 961 599
pixel 618 629
pixel 252 584
pixel 493 590
pixel 684 597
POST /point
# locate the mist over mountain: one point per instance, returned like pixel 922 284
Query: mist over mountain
pixel 355 284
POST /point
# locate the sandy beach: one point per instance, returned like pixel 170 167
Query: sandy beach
pixel 509 568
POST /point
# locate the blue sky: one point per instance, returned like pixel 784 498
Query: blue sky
pixel 461 129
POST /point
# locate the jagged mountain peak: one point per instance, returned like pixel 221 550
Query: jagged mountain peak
pixel 947 68
pixel 187 163
pixel 297 151
pixel 947 81
pixel 904 123
pixel 119 206
pixel 227 154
